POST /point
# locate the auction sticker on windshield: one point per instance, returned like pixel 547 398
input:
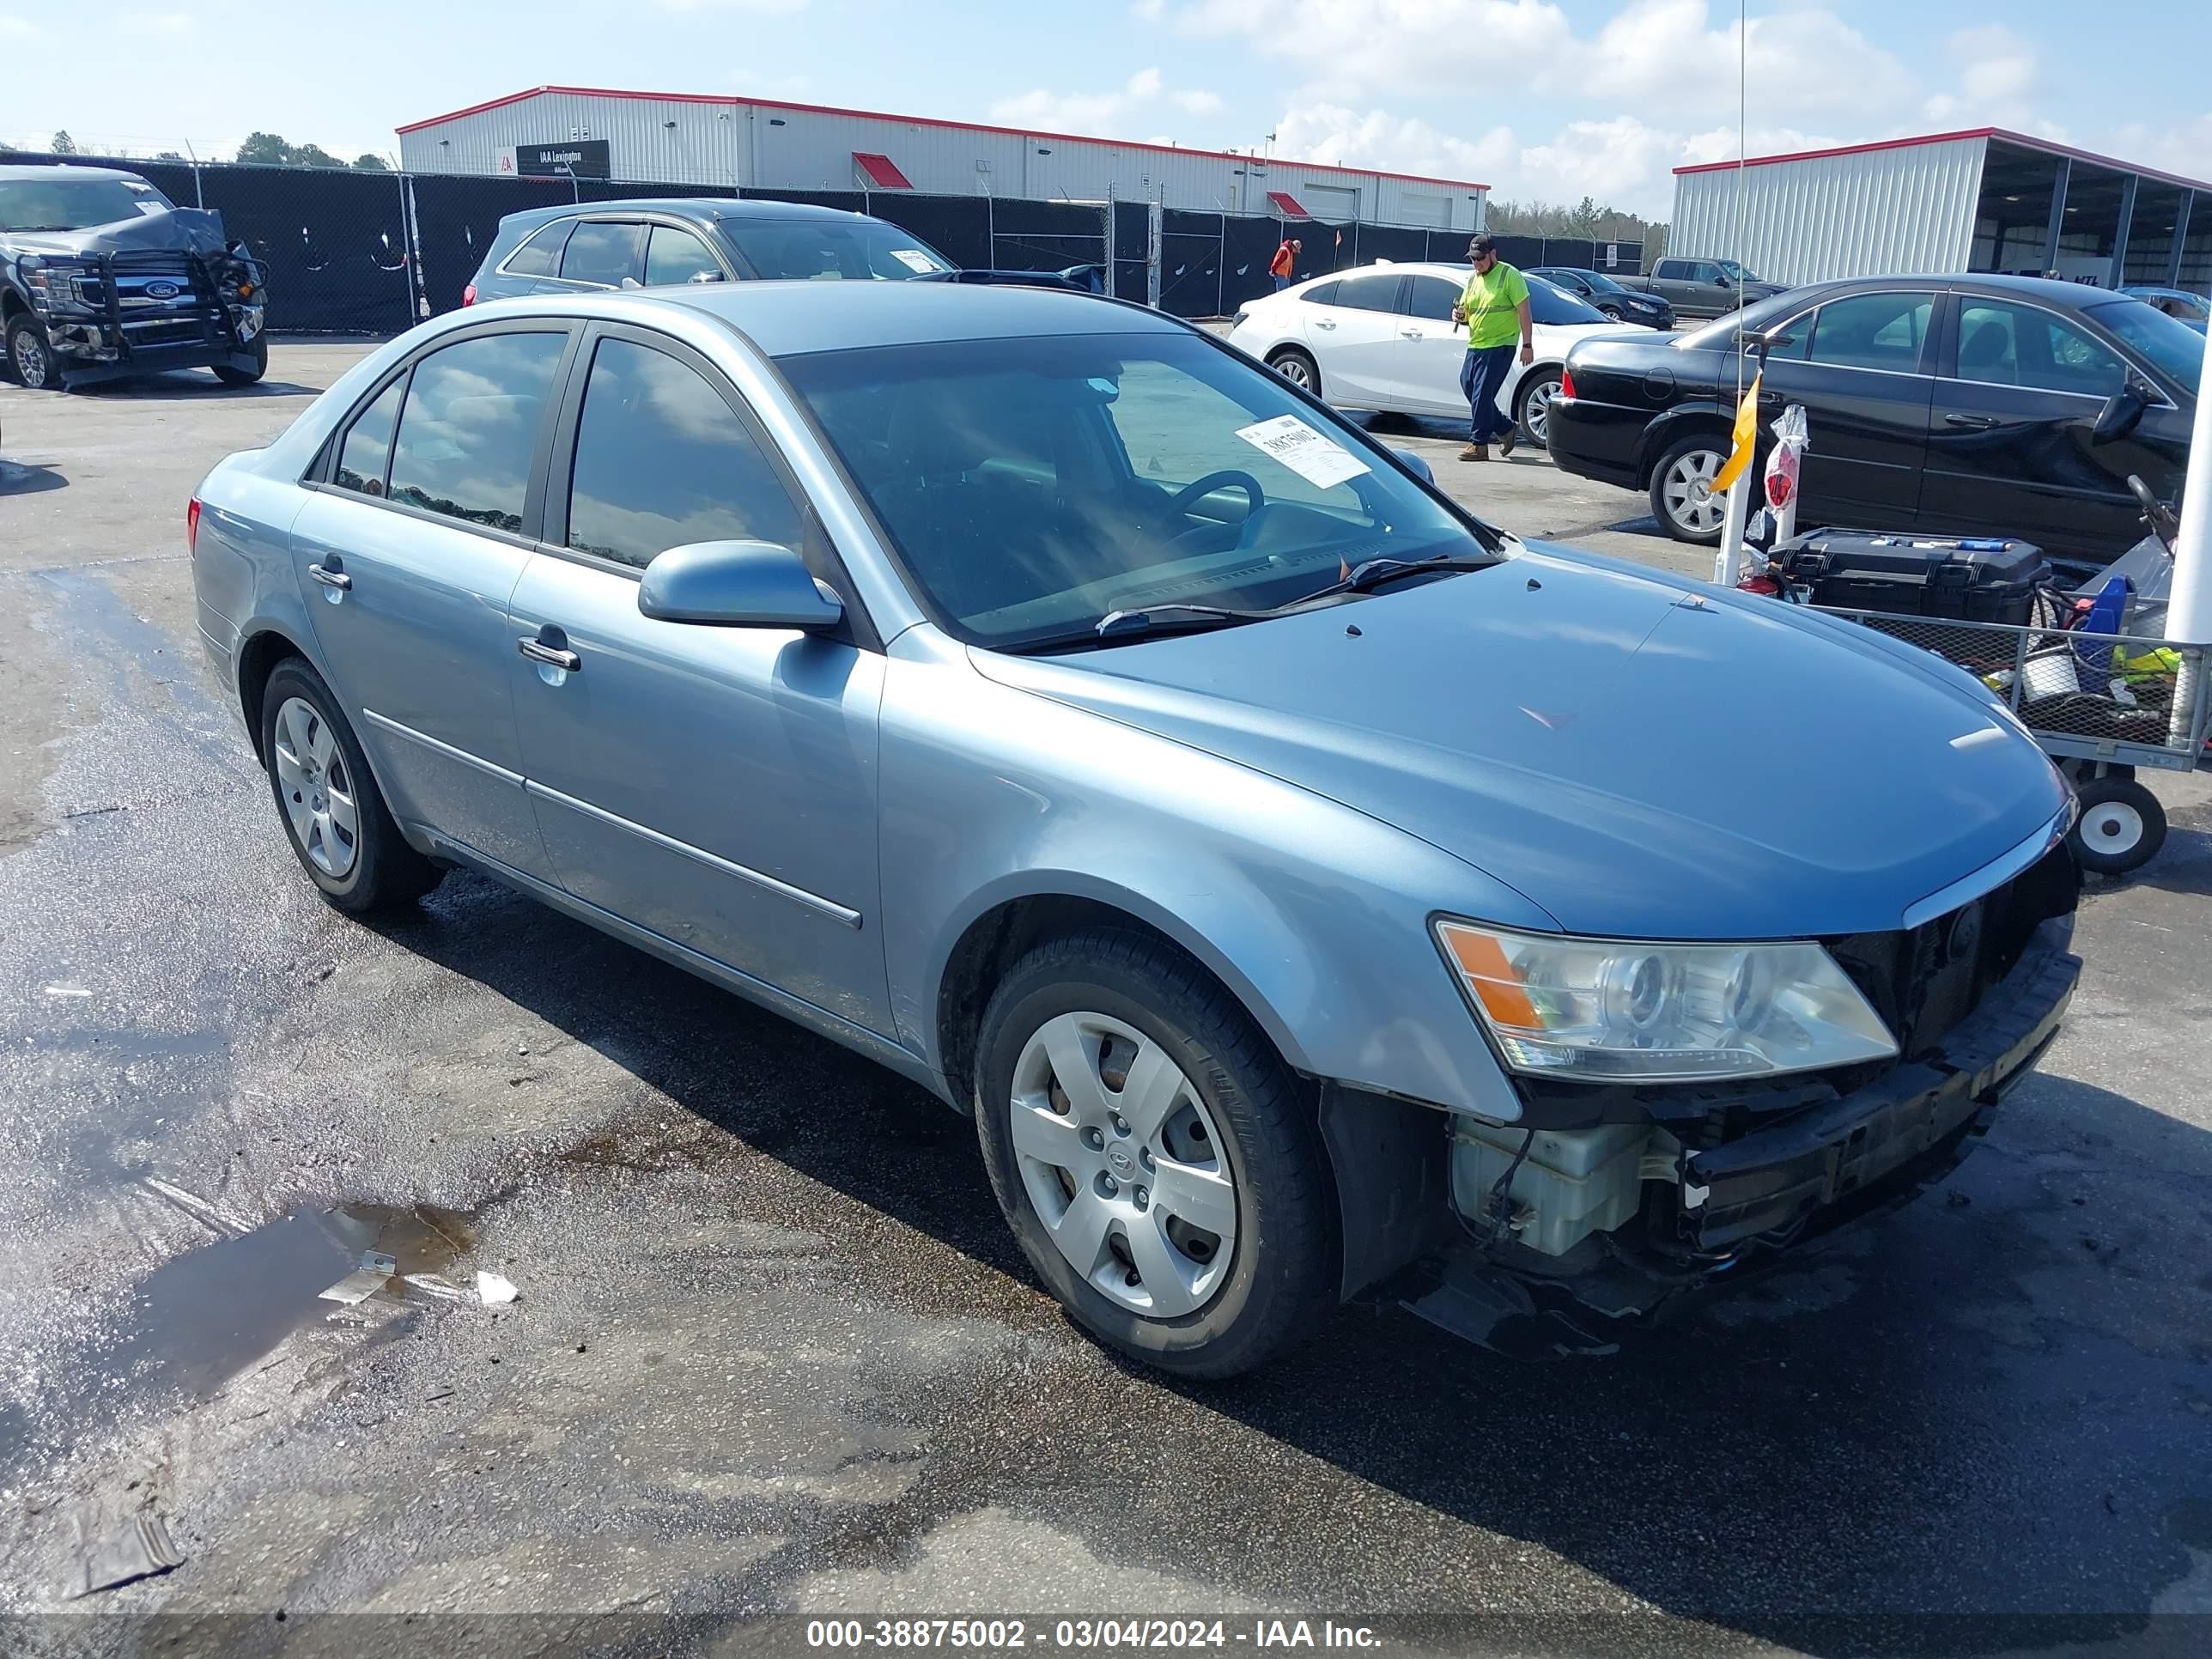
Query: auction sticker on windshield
pixel 914 259
pixel 1307 452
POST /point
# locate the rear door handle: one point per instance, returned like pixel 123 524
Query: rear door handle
pixel 337 579
pixel 1971 422
pixel 552 656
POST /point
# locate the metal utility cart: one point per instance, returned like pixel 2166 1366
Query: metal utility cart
pixel 2101 705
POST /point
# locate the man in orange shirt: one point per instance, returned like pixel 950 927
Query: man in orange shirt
pixel 1285 259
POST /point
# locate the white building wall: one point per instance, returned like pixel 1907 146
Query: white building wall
pixel 1901 211
pixel 685 141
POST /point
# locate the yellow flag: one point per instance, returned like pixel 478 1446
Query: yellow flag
pixel 1746 437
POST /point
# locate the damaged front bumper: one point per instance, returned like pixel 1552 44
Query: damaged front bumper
pixel 140 310
pixel 1704 1214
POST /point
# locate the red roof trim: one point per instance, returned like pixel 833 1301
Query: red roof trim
pixel 1289 203
pixel 881 170
pixel 928 121
pixel 2006 134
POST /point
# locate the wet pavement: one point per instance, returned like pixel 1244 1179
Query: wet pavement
pixel 774 1349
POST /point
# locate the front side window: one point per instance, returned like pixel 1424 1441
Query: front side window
pixel 1033 486
pixel 541 255
pixel 366 452
pixel 1867 331
pixel 832 250
pixel 1433 298
pixel 662 461
pixel 469 429
pixel 602 253
pixel 677 256
pixel 2001 344
pixel 2171 344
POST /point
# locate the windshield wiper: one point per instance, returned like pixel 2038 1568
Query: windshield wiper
pixel 1141 622
pixel 1370 573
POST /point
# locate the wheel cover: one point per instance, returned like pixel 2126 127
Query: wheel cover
pixel 1536 413
pixel 1129 1181
pixel 317 788
pixel 2111 828
pixel 1294 370
pixel 30 360
pixel 1679 490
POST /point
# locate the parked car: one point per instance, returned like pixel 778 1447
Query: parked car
pixel 1304 884
pixel 1381 338
pixel 101 275
pixel 578 248
pixel 1608 298
pixel 1703 287
pixel 2178 303
pixel 1967 405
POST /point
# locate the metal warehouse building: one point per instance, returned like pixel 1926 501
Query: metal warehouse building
pixel 1986 200
pixel 756 144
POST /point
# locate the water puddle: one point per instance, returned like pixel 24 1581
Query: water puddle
pixel 209 1315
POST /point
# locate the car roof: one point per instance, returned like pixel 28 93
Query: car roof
pixel 58 170
pixel 701 210
pixel 789 319
pixel 2044 290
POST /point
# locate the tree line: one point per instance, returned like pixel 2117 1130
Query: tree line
pixel 263 148
pixel 1587 219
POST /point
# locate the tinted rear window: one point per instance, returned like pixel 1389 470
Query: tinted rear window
pixel 603 254
pixel 541 255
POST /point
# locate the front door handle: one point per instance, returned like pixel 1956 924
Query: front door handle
pixel 1323 322
pixel 552 656
pixel 1971 422
pixel 328 578
pixel 1414 333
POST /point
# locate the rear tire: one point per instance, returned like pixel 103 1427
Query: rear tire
pixel 1532 403
pixel 1673 502
pixel 30 359
pixel 2121 828
pixel 1213 1122
pixel 1297 368
pixel 230 375
pixel 333 814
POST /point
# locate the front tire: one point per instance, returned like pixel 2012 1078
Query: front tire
pixel 1674 501
pixel 231 374
pixel 1151 1154
pixel 1532 404
pixel 333 813
pixel 1297 368
pixel 2121 828
pixel 30 359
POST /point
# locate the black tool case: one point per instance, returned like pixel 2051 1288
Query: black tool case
pixel 1986 580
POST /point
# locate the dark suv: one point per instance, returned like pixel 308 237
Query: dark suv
pixel 652 244
pixel 102 275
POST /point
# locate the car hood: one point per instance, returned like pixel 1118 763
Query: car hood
pixel 199 229
pixel 1635 756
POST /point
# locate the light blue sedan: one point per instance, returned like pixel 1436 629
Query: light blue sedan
pixel 1311 892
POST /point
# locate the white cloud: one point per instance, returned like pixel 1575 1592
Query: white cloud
pixel 1998 75
pixel 18 28
pixel 2184 146
pixel 171 25
pixel 1149 10
pixel 1332 134
pixel 1110 114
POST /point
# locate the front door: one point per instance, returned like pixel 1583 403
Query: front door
pixel 406 555
pixel 1355 340
pixel 1862 366
pixel 716 786
pixel 2010 450
pixel 1432 350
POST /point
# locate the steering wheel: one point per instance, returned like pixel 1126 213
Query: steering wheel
pixel 2155 513
pixel 1191 493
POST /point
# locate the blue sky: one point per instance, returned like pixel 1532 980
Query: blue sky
pixel 1537 99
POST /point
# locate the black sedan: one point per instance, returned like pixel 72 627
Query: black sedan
pixel 1995 405
pixel 1623 305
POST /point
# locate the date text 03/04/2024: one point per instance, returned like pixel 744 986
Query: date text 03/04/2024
pixel 1001 1634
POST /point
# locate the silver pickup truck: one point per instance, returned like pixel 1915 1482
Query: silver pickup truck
pixel 1703 287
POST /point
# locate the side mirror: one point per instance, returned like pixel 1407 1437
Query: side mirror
pixel 1415 464
pixel 2121 413
pixel 704 276
pixel 1722 281
pixel 737 584
pixel 631 281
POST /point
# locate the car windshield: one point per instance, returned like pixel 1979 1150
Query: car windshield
pixel 74 204
pixel 2169 343
pixel 1598 279
pixel 1035 486
pixel 817 250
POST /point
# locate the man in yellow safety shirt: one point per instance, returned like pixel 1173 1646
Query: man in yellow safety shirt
pixel 1494 306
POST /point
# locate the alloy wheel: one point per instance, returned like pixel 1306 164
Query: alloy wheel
pixel 1536 411
pixel 31 362
pixel 1693 510
pixel 1124 1164
pixel 317 788
pixel 1294 370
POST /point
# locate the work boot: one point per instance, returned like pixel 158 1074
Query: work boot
pixel 1475 453
pixel 1506 442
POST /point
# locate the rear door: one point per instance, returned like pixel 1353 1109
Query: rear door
pixel 407 551
pixel 2010 450
pixel 1354 340
pixel 1862 366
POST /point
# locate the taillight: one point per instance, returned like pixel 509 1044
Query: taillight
pixel 1566 383
pixel 469 294
pixel 193 527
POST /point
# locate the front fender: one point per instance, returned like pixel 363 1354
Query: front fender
pixel 1315 915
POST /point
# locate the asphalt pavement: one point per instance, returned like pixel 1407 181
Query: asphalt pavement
pixel 772 1350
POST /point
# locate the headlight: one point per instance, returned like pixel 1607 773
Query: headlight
pixel 1617 1010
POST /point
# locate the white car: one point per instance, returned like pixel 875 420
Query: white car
pixel 1381 338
